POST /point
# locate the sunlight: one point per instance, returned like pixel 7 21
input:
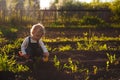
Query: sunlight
pixel 44 4
pixel 85 1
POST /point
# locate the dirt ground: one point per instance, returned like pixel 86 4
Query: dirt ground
pixel 88 60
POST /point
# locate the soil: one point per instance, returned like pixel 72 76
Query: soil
pixel 88 60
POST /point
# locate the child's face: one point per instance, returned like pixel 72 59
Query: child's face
pixel 37 34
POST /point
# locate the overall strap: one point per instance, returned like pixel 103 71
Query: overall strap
pixel 38 42
pixel 29 40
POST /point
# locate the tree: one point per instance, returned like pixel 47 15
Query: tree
pixel 3 5
pixel 115 7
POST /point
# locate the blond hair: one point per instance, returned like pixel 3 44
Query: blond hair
pixel 37 26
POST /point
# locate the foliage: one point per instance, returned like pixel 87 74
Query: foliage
pixel 9 64
pixel 92 20
pixel 71 66
pixel 102 37
pixel 57 24
pixel 99 5
pixel 9 32
pixel 56 62
pixel 115 7
pixel 73 5
pixel 12 48
pixel 7 60
pixel 2 39
pixel 112 60
pixel 89 43
pixel 14 11
pixel 19 12
pixel 65 48
pixel 72 12
pixel 95 69
pixel 91 46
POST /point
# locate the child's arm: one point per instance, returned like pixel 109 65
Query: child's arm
pixel 45 51
pixel 24 46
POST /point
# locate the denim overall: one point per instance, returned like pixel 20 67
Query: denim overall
pixel 34 49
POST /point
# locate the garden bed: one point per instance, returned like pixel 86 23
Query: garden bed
pixel 91 64
pixel 75 54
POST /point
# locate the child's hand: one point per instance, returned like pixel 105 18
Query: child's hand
pixel 45 57
pixel 20 53
pixel 24 55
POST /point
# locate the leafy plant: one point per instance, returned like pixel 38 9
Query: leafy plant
pixel 56 62
pixel 9 64
pixel 2 38
pixel 115 7
pixel 9 32
pixel 65 48
pixel 71 66
pixel 11 48
pixel 111 60
pixel 91 20
pixel 95 69
pixel 89 43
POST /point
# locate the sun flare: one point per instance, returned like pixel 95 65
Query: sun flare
pixel 44 4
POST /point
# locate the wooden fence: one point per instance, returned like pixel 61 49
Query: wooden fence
pixel 50 16
pixel 54 15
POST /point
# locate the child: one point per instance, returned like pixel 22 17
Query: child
pixel 33 45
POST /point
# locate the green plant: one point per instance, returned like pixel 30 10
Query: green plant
pixel 17 44
pixel 9 31
pixel 56 62
pixel 111 60
pixel 115 8
pixel 71 66
pixel 85 37
pixel 12 48
pixel 65 48
pixel 79 46
pixel 7 49
pixel 95 69
pixel 2 38
pixel 9 64
pixel 87 75
pixel 91 20
pixel 49 48
pixel 107 65
pixel 90 43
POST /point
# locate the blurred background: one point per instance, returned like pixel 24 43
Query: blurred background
pixel 60 13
